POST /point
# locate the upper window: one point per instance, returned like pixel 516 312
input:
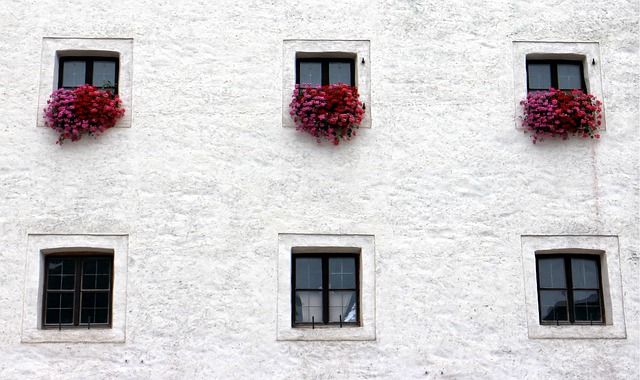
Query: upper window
pixel 101 72
pixel 569 289
pixel 558 74
pixel 325 289
pixel 77 290
pixel 324 71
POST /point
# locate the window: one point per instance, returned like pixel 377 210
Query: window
pixel 573 287
pixel 324 71
pixel 569 289
pixel 72 62
pixel 561 75
pixel 77 290
pixel 321 62
pixel 98 71
pixel 325 289
pixel 539 65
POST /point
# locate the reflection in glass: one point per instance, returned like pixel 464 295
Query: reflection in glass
pixel 308 273
pixel 342 273
pixel 569 76
pixel 96 273
pixel 95 307
pixel 539 76
pixel 586 305
pixel 61 274
pixel 584 274
pixel 310 73
pixel 73 74
pixel 553 305
pixel 104 73
pixel 551 273
pixel 59 308
pixel 342 305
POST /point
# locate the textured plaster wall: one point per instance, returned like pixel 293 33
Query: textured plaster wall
pixel 206 178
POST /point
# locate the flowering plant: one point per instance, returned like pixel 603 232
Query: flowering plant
pixel 83 110
pixel 558 113
pixel 332 112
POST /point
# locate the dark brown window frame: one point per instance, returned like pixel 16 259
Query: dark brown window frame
pixel 89 61
pixel 325 68
pixel 567 257
pixel 325 289
pixel 554 72
pixel 77 291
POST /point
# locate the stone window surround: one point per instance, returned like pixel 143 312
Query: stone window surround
pixel 604 245
pixel 55 47
pixel 358 49
pixel 38 246
pixel 587 52
pixel 311 243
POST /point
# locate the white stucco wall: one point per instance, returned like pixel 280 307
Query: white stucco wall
pixel 206 178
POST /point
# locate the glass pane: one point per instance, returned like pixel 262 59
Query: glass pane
pixel 95 307
pixel 61 274
pixel 586 305
pixel 96 273
pixel 308 305
pixel 311 73
pixel 539 76
pixel 553 305
pixel 308 273
pixel 342 273
pixel 585 274
pixel 59 308
pixel 73 73
pixel 342 304
pixel 104 73
pixel 569 76
pixel 551 273
pixel 340 72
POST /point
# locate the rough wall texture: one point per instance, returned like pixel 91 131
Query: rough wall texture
pixel 206 178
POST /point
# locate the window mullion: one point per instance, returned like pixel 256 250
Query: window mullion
pixel 325 72
pixel 569 279
pixel 554 75
pixel 77 291
pixel 325 289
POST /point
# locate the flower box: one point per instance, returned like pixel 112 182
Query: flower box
pixel 85 110
pixel 331 112
pixel 559 113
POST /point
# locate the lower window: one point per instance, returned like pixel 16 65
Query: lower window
pixel 569 289
pixel 78 290
pixel 325 289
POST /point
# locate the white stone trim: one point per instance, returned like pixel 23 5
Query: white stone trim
pixel 53 48
pixel 587 52
pixel 607 247
pixel 315 243
pixel 326 48
pixel 38 246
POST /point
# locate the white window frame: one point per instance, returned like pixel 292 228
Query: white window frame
pixel 54 47
pixel 40 245
pixel 313 243
pixel 604 246
pixel 359 49
pixel 587 52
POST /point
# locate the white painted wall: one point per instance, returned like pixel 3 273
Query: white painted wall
pixel 206 178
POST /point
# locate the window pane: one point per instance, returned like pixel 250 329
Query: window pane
pixel 585 274
pixel 587 305
pixel 340 72
pixel 95 307
pixel 551 273
pixel 342 273
pixel 73 73
pixel 342 304
pixel 553 305
pixel 311 73
pixel 308 273
pixel 539 76
pixel 569 76
pixel 61 274
pixel 104 72
pixel 96 273
pixel 59 308
pixel 308 305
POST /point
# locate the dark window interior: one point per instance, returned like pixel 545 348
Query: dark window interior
pixel 558 74
pixel 324 71
pixel 101 72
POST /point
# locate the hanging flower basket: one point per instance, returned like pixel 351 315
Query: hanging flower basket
pixel 558 113
pixel 86 110
pixel 331 112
